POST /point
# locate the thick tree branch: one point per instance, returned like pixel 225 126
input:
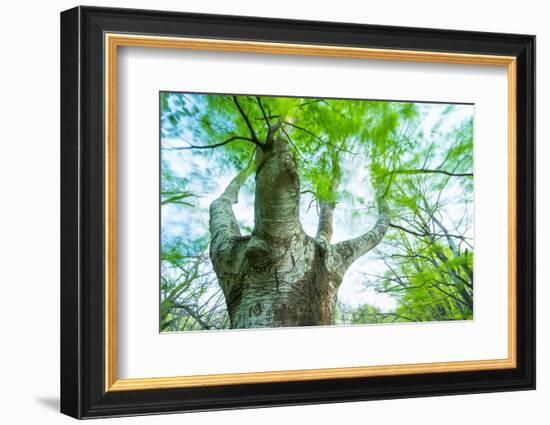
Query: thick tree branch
pixel 352 249
pixel 223 224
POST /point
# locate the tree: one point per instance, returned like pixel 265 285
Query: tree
pixel 275 274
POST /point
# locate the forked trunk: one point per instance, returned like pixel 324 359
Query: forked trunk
pixel 278 276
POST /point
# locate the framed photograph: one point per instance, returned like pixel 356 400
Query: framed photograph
pixel 261 212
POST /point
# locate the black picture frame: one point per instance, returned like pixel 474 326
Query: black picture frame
pixel 83 392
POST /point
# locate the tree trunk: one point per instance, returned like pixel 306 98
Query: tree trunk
pixel 278 275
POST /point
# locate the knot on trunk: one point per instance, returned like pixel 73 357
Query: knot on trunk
pixel 256 248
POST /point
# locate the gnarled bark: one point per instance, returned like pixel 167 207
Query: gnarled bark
pixel 280 276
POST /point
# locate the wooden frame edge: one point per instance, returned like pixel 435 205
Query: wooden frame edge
pixel 512 212
pixel 110 213
pixel 137 384
pixel 113 40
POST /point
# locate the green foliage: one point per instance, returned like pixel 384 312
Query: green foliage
pixel 428 252
pixel 424 171
pixel 323 132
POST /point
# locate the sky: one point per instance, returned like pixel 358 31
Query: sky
pixel 209 180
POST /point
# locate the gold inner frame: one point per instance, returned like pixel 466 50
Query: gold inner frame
pixel 113 41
